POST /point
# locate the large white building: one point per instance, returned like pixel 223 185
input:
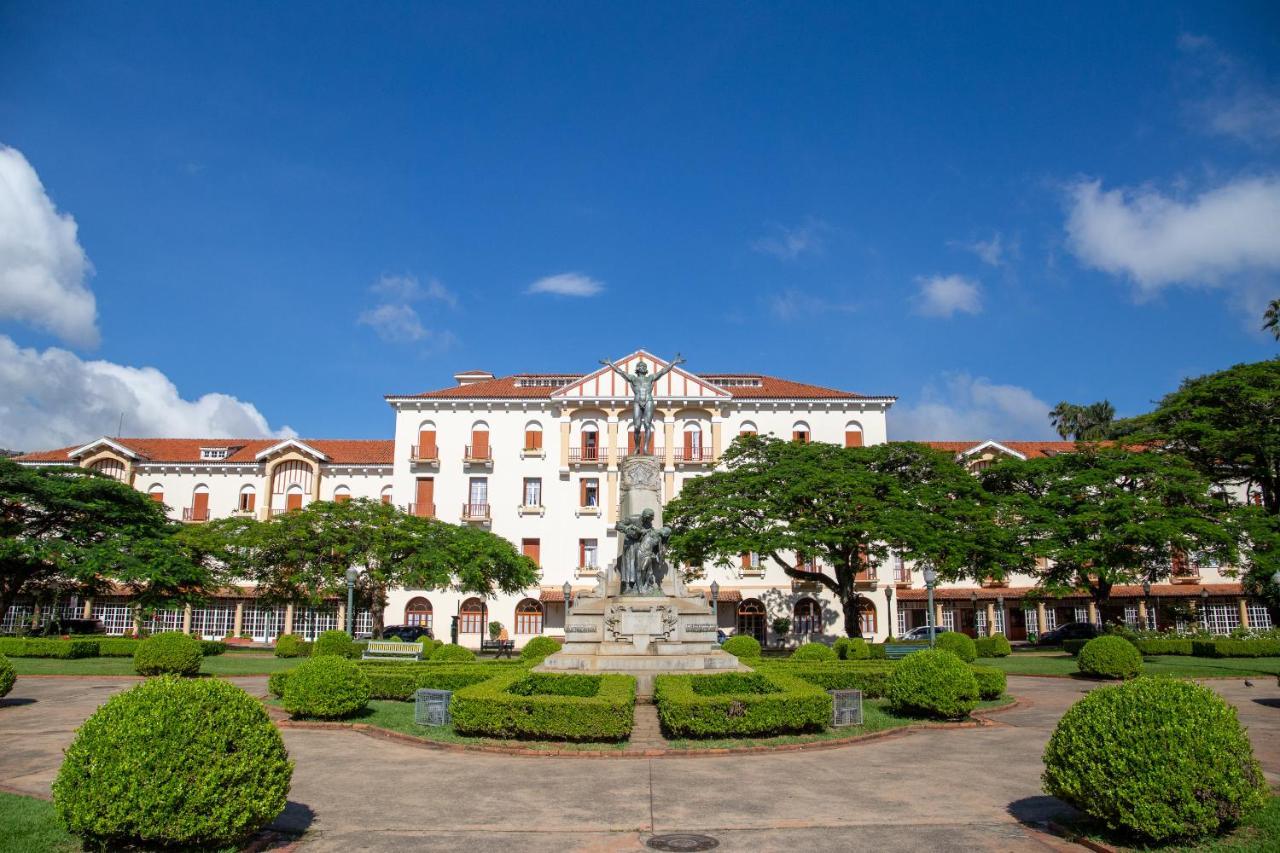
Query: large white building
pixel 534 458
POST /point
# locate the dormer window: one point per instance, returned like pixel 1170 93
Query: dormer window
pixel 214 453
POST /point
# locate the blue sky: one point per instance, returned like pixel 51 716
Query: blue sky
pixel 289 210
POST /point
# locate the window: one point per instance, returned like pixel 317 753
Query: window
pixel 587 551
pixel 426 447
pixel 247 498
pixel 800 433
pixel 113 468
pixel 532 548
pixel 199 505
pixel 1221 618
pixel 805 563
pixel 529 617
pixel 590 443
pixel 424 499
pixel 1259 616
pixel 156 493
pixel 590 491
pixel 207 453
pixel 533 437
pixel 533 491
pixel 1131 615
pixel 479 448
pixel 341 494
pixel 949 618
pixel 751 619
pixel 1081 614
pixel 418 612
pixel 293 499
pixel 751 562
pixel 471 617
pixel 807 617
pixel 866 618
pixel 853 435
pixel 747 428
pixel 386 494
pixel 478 500
pixel 692 449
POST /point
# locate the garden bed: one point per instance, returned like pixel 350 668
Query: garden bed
pixel 523 705
pixel 739 704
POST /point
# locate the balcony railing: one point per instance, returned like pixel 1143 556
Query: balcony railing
pixel 693 455
pixel 475 512
pixel 657 451
pixel 867 577
pixel 424 453
pixel 192 513
pixel 587 455
pixel 478 453
pixel 423 510
pixel 806 584
pixel 902 576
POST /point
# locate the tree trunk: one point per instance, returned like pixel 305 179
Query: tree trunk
pixel 378 609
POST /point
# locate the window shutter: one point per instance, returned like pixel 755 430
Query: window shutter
pixel 293 501
pixel 582 492
pixel 480 443
pixel 249 501
pixel 158 497
pixel 200 506
pixel 582 552
pixel 341 499
pixel 532 439
pixel 532 549
pixel 631 443
pixel 746 559
pixel 799 436
pixel 425 497
pixel 688 445
pixel 427 444
pixel 853 438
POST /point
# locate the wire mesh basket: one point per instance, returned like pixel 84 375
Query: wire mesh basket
pixel 846 707
pixel 431 707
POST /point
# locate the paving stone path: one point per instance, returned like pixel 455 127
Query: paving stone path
pixel 943 790
pixel 646 731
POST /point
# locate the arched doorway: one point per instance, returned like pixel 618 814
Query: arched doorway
pixel 529 617
pixel 472 617
pixel 418 612
pixel 866 618
pixel 751 615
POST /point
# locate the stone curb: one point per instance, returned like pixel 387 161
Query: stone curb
pixel 368 730
pixel 1088 843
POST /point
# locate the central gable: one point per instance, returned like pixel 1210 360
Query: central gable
pixel 605 384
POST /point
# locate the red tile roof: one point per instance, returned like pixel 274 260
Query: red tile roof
pixel 1177 590
pixel 506 387
pixel 341 451
pixel 1030 449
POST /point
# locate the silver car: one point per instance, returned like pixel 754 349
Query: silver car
pixel 922 633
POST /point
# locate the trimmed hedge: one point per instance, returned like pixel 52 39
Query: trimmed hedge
pixel 1159 758
pixel 1225 647
pixel 173 763
pixel 742 646
pixel 118 647
pixel 519 704
pixel 813 652
pixel 738 704
pixel 851 648
pixel 960 645
pixel 326 688
pixel 538 648
pixel 275 683
pixel 1110 657
pixel 335 643
pixel 212 648
pixel 995 646
pixel 1073 647
pixel 429 646
pixel 7 676
pixel 991 681
pixel 170 653
pixel 449 653
pixel 17 647
pixel 291 646
pixel 391 681
pixel 933 683
pixel 1163 646
pixel 871 677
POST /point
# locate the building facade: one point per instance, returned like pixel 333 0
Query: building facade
pixel 534 458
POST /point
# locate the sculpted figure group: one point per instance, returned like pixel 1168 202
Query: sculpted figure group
pixel 641 567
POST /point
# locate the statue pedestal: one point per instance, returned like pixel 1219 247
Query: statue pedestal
pixel 666 631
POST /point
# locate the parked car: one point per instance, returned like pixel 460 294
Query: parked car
pixel 922 633
pixel 408 633
pixel 1069 631
pixel 58 627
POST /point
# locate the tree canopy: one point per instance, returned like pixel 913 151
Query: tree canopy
pixel 70 530
pixel 1103 516
pixel 1083 423
pixel 843 506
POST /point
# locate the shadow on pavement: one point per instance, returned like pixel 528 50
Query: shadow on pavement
pixel 1269 703
pixel 15 701
pixel 1034 811
pixel 294 820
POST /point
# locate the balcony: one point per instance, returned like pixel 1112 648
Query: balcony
pixel 902 577
pixel 194 513
pixel 587 571
pixel 693 456
pixel 805 584
pixel 242 512
pixel 995 583
pixel 657 452
pixel 424 454
pixel 587 455
pixel 475 512
pixel 866 579
pixel 478 454
pixel 422 510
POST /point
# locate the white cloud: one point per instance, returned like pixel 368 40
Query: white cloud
pixel 965 408
pixel 994 252
pixel 53 398
pixel 1227 101
pixel 43 269
pixel 407 288
pixel 791 304
pixel 1157 240
pixel 789 242
pixel 394 323
pixel 567 284
pixel 945 295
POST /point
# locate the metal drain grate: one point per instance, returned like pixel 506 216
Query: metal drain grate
pixel 679 841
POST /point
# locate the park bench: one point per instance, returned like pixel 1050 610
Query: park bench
pixel 500 646
pixel 898 651
pixel 385 649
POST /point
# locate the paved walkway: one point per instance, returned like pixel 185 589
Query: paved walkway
pixel 965 789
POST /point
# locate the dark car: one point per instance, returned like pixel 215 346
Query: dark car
pixel 1069 631
pixel 59 627
pixel 408 633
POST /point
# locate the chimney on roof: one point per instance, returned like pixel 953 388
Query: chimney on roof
pixel 471 377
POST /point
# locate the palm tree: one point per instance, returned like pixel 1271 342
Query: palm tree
pixel 1083 423
pixel 1271 319
pixel 1065 418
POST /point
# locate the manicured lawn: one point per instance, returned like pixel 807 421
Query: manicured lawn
pixel 28 825
pixel 1259 835
pixel 1060 663
pixel 231 663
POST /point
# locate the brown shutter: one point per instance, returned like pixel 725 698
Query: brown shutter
pixel 532 548
pixel 158 497
pixel 864 574
pixel 249 500
pixel 425 497
pixel 427 444
pixel 688 445
pixel 853 438
pixel 797 435
pixel 386 497
pixel 293 501
pixel 341 499
pixel 582 552
pixel 200 506
pixel 582 492
pixel 533 439
pixel 480 443
pixel 746 559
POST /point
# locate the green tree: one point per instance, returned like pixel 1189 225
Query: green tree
pixel 1106 516
pixel 303 556
pixel 67 529
pixel 1271 318
pixel 1083 423
pixel 845 507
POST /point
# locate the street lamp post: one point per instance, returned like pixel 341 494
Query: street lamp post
pixel 1146 602
pixel 1001 618
pixel 973 602
pixel 930 579
pixel 352 575
pixel 1204 609
pixel 888 610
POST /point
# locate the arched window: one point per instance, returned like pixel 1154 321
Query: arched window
pixel 418 612
pixel 156 493
pixel 866 617
pixel 245 502
pixel 748 428
pixel 800 433
pixel 386 494
pixel 751 619
pixel 479 447
pixel 425 450
pixel 807 617
pixel 853 434
pixel 472 616
pixel 199 509
pixel 590 442
pixel 113 468
pixel 529 617
pixel 293 498
pixel 533 436
pixel 341 494
pixel 691 448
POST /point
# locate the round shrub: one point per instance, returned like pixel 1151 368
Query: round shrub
pixel 1157 758
pixel 170 653
pixel 1110 657
pixel 742 646
pixel 991 681
pixel 851 648
pixel 173 763
pixel 275 683
pixel 960 645
pixel 326 688
pixel 334 643
pixel 995 646
pixel 450 652
pixel 813 651
pixel 538 648
pixel 7 676
pixel 288 646
pixel 933 683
